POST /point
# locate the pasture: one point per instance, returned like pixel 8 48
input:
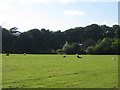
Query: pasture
pixel 54 71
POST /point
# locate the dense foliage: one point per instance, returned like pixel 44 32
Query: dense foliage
pixel 92 39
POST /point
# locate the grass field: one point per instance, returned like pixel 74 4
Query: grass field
pixel 54 71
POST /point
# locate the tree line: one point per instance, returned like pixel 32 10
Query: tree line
pixel 92 39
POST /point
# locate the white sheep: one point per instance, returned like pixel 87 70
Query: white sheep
pixel 113 58
pixel 24 54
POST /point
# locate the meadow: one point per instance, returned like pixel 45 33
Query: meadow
pixel 54 71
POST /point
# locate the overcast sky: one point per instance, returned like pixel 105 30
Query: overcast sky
pixel 57 14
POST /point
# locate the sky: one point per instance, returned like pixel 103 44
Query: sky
pixel 57 14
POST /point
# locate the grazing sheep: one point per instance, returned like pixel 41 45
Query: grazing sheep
pixel 24 54
pixel 77 54
pixel 7 54
pixel 113 58
pixel 64 56
pixel 79 57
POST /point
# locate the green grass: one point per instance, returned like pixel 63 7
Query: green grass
pixel 0 71
pixel 54 71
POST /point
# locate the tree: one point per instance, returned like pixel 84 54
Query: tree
pixel 46 41
pixel 75 48
pixel 105 46
pixel 59 51
pixel 117 32
pixel 93 31
pixel 71 49
pixel 90 50
pixel 66 48
pixel 116 46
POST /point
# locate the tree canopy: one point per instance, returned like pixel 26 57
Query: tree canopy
pixel 92 39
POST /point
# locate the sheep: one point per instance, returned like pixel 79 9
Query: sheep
pixel 77 54
pixel 64 56
pixel 113 58
pixel 24 54
pixel 7 54
pixel 79 57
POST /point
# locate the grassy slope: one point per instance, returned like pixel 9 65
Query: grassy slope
pixel 53 71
